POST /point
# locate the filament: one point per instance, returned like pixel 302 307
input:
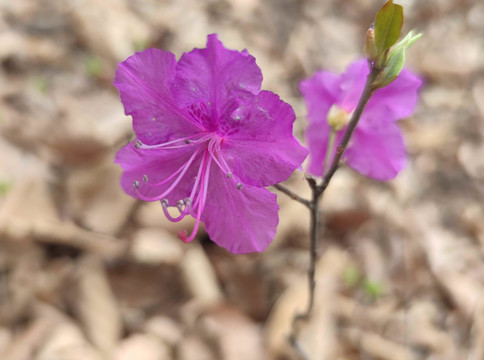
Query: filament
pixel 165 146
pixel 201 199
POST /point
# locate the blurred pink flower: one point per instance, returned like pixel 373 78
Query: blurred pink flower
pixel 208 141
pixel 376 148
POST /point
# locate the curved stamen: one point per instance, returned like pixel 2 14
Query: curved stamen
pixel 212 153
pixel 201 201
pixel 195 189
pixel 222 159
pixel 205 186
pixel 218 158
pixel 183 212
pixel 172 186
pixel 165 146
pixel 180 169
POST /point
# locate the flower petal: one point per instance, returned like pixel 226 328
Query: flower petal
pixel 149 168
pixel 352 84
pixel 317 138
pixel 377 151
pixel 217 76
pixel 320 92
pixel 261 150
pixel 395 101
pixel 241 220
pixel 143 81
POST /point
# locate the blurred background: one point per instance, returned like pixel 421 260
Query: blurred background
pixel 88 273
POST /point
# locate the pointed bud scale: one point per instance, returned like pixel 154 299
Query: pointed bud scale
pixel 370 48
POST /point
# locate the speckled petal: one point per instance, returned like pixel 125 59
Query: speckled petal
pixel 145 170
pixel 216 76
pixel 143 81
pixel 261 149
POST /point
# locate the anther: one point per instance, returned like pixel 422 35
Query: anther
pixel 138 144
pixel 145 178
pixel 153 119
pixel 187 141
pixel 136 184
pixel 164 202
pixel 239 186
pixel 229 175
pixel 180 203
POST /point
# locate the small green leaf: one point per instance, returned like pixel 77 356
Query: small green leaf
pixel 41 84
pixel 388 25
pixel 351 276
pixel 395 60
pixel 392 68
pixel 93 65
pixel 373 290
pixel 407 41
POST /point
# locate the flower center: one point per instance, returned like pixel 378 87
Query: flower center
pixel 337 118
pixel 207 148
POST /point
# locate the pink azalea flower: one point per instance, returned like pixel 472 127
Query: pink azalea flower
pixel 376 148
pixel 208 141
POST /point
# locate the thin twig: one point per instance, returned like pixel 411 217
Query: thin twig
pixel 317 190
pixel 293 195
pixel 313 235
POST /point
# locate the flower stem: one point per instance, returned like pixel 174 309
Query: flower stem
pixel 293 195
pixel 319 188
pixel 329 149
pixel 313 235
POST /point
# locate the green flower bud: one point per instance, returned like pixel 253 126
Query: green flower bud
pixel 395 61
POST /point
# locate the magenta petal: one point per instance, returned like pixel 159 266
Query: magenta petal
pixel 352 84
pixel 143 81
pixel 397 100
pixel 317 138
pixel 240 220
pixel 377 152
pixel 216 75
pixel 262 150
pixel 320 92
pixel 146 170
